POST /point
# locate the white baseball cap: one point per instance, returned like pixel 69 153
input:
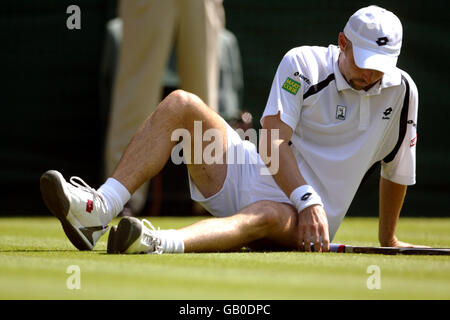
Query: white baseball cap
pixel 376 36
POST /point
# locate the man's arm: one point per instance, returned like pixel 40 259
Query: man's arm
pixel 391 200
pixel 312 222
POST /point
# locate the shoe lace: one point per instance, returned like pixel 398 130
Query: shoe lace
pixel 79 183
pixel 155 238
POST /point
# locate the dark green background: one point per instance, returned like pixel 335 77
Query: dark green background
pixel 52 116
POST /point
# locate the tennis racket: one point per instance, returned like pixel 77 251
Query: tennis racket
pixel 343 248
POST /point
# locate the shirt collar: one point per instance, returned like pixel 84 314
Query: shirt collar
pixel 341 83
pixel 388 80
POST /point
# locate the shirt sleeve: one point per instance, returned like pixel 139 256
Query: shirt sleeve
pixel 402 168
pixel 286 93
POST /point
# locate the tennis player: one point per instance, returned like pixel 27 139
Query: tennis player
pixel 332 113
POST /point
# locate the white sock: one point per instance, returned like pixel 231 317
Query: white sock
pixel 116 196
pixel 171 241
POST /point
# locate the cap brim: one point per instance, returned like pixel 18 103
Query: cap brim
pixel 367 59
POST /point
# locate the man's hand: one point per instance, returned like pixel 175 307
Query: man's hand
pixel 312 226
pixel 392 196
pixel 312 222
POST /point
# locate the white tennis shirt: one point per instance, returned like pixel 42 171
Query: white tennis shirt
pixel 340 132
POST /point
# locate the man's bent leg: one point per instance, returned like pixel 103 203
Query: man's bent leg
pixel 84 212
pixel 151 147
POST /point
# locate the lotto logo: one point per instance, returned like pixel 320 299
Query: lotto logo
pixel 291 86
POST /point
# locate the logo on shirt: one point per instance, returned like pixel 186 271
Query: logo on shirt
pixel 341 112
pixel 386 113
pixel 413 142
pixel 291 86
pixel 412 122
pixel 298 74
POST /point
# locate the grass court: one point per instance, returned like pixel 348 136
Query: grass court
pixel 35 256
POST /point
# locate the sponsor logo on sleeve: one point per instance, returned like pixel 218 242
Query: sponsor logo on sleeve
pixel 412 123
pixel 298 74
pixel 291 86
pixel 413 142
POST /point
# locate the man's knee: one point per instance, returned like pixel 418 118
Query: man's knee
pixel 182 105
pixel 182 100
pixel 274 226
pixel 268 216
pixel 175 103
pixel 179 97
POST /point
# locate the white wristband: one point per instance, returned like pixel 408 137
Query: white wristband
pixel 304 197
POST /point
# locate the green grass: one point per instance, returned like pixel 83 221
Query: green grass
pixel 35 254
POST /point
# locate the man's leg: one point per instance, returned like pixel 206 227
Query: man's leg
pixel 261 225
pixel 85 212
pixel 264 225
pixel 150 149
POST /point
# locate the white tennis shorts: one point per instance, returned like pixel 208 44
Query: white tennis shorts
pixel 244 183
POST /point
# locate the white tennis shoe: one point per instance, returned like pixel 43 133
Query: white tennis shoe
pixel 81 210
pixel 134 236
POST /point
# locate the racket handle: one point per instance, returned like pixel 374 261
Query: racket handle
pixel 336 247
